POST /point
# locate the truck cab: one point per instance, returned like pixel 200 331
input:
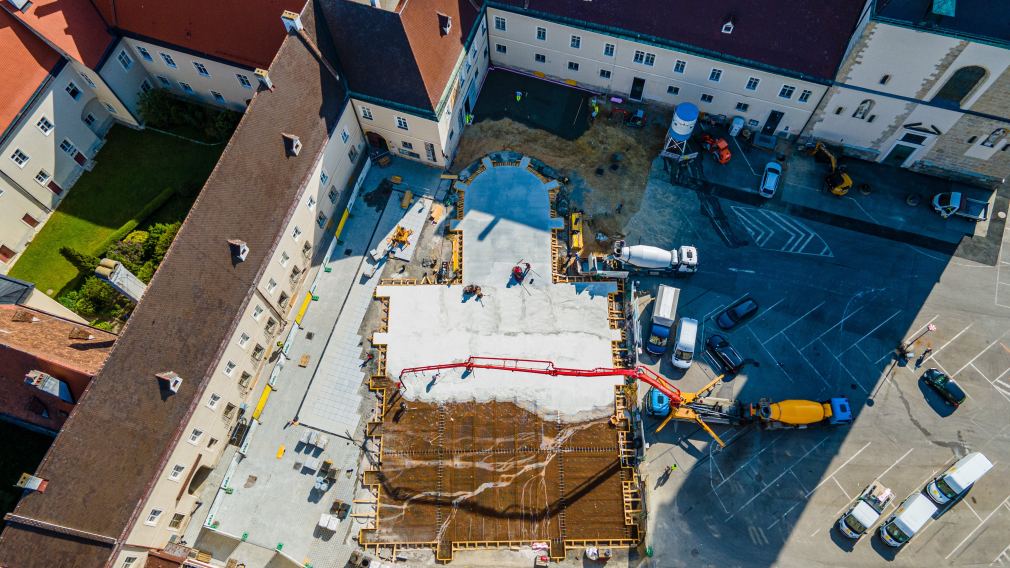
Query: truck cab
pixel 664 314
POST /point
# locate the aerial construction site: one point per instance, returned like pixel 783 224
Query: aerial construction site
pixel 483 442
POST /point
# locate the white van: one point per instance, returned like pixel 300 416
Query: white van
pixel 687 336
pixel 907 520
pixel 958 478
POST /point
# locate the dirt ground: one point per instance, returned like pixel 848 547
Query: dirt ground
pixel 609 197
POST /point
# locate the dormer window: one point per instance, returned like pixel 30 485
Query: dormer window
pixel 444 24
pixel 727 26
pixel 239 249
pixel 292 144
pixel 170 380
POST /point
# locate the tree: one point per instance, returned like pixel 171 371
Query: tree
pixel 85 263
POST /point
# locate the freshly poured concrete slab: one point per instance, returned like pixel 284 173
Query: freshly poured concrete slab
pixel 506 221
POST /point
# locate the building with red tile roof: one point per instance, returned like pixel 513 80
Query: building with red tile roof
pixel 72 26
pixel 26 64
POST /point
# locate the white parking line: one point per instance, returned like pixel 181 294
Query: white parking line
pixel 847 496
pixel 869 333
pixel 796 321
pixel 987 517
pixel 1004 555
pixel 980 353
pixel 921 329
pixel 811 365
pixel 999 384
pixel 972 509
pixel 840 469
pixel 774 481
pixel 845 368
pixel 737 470
pixel 882 474
pixel 937 352
pixel 774 360
pixel 833 327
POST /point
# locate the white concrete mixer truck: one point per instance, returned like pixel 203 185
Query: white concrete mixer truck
pixel 655 260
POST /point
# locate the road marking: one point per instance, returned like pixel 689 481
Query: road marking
pixel 980 353
pixel 839 469
pixel 774 481
pixel 757 536
pixel 833 327
pixel 895 463
pixel 780 366
pixel 972 509
pixel 762 225
pixel 737 470
pixel 849 497
pixel 921 329
pixel 845 368
pixel 987 517
pixel 811 365
pixel 798 480
pixel 937 352
pixel 999 384
pixel 796 321
pixel 869 333
pixel 1004 555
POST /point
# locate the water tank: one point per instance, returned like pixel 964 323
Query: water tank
pixel 685 116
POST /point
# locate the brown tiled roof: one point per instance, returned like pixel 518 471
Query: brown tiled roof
pixel 248 32
pixel 25 64
pixel 49 339
pixel 116 442
pixel 72 25
pixel 416 59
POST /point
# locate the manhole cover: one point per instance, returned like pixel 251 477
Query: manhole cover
pixel 310 335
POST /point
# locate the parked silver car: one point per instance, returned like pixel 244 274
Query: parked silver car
pixel 771 179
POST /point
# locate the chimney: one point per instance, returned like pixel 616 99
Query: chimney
pixel 120 278
pixel 170 380
pixel 239 250
pixel 264 79
pixel 292 22
pixel 292 144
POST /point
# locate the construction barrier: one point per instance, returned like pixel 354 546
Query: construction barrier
pixel 262 402
pixel 304 308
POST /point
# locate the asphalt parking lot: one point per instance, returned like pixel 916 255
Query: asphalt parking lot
pixel 834 305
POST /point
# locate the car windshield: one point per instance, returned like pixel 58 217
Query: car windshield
pixel 771 180
pixel 895 533
pixel 853 524
pixel 941 485
pixel 741 310
pixel 682 355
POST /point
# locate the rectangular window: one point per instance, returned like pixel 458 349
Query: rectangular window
pixel 352 154
pixel 706 98
pixel 186 88
pixel 271 286
pixel 333 194
pixel 604 73
pixel 542 34
pixel 244 380
pixel 229 367
pixel 324 177
pixel 366 113
pixel 243 340
pixel 20 158
pixel 195 435
pixel 310 203
pixel 753 122
pixel 165 83
pixel 296 233
pixel 752 83
pixel 500 48
pixel 650 59
pixel 125 60
pixel 672 90
pixel 429 152
pixel 145 86
pixel 608 50
pixel 715 75
pixel 30 221
pixel 229 410
pixel 73 91
pixel 321 219
pixel 177 470
pixel 42 177
pixel 539 58
pixel 805 96
pixel 407 145
pixel 401 123
pixel 573 66
pixel 214 400
pixel 243 80
pixel 44 125
pixel 144 53
pixel 344 136
pixel 217 96
pixel 167 59
pixel 129 561
pixel 257 352
pixel 679 66
pixel 176 521
pixel 742 107
pixel 786 92
pixel 201 69
pixel 499 23
pixel 576 42
pixel 639 56
pixel 284 259
pixel 6 254
pixel 257 312
pixel 68 147
pixel 153 516
pixel 88 119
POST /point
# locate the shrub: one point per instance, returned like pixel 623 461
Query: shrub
pixel 137 237
pixel 100 295
pixel 84 262
pixel 146 271
pixel 143 214
pixel 164 241
pixel 130 254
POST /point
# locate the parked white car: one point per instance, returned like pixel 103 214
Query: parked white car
pixel 771 179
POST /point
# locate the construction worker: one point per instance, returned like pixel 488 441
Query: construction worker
pixel 517 273
pixel 519 96
pixel 469 119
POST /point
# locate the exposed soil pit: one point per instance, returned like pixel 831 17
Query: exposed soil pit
pixel 466 475
pixel 609 200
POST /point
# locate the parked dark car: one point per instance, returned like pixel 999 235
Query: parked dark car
pixel 725 353
pixel 945 387
pixel 737 314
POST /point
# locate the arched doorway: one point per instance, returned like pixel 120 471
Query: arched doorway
pixel 375 140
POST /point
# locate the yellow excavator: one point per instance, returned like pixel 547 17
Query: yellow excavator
pixel 837 181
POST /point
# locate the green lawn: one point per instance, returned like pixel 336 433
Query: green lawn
pixel 133 168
